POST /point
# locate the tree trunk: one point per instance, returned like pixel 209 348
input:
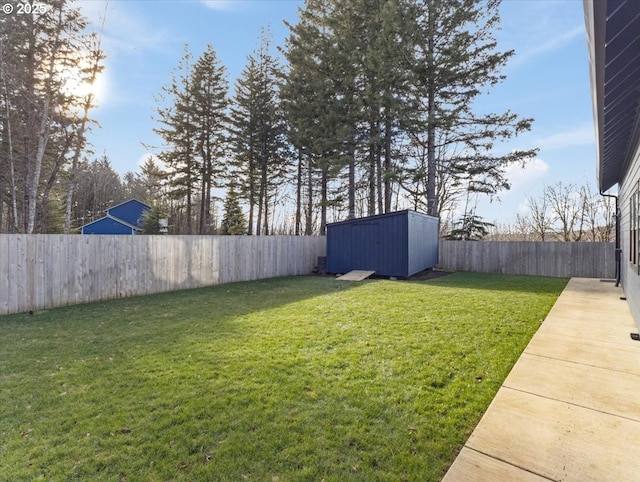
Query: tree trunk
pixel 379 177
pixel 189 197
pixel 72 184
pixel 352 182
pixel 323 201
pixel 371 204
pixel 309 213
pixel 50 183
pixel 298 195
pixel 432 201
pixel 263 184
pixel 387 166
pixel 252 185
pixel 8 145
pixel 34 180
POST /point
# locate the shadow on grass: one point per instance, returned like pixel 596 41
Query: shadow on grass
pixel 273 378
pixel 151 318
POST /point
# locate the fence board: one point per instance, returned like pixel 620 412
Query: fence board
pixel 4 275
pixel 556 259
pixel 47 270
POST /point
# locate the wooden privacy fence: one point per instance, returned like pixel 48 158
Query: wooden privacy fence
pixel 47 270
pixel 557 259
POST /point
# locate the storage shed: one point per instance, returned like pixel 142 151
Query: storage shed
pixel 394 244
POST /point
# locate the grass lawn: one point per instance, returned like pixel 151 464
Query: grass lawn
pixel 303 378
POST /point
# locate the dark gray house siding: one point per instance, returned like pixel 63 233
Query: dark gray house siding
pixel 630 267
pixel 613 35
pixel 394 244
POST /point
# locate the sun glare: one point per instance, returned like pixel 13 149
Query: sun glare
pixel 74 84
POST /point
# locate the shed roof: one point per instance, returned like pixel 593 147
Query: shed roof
pixel 380 216
pixel 129 201
pixel 613 36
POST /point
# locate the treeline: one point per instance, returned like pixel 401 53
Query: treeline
pixel 43 119
pixel 564 212
pixel 370 110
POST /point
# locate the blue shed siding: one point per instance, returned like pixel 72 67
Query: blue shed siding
pixel 384 244
pixel 424 241
pixel 106 225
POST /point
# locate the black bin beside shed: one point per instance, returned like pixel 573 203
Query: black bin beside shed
pixel 397 244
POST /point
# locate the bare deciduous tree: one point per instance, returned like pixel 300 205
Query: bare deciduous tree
pixel 565 212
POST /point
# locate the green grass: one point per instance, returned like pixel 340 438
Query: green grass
pixel 285 379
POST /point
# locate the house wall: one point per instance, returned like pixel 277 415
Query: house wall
pixel 129 211
pixel 106 226
pixel 630 275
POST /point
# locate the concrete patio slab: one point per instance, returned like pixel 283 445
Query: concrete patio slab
pixel 570 408
pixel 488 469
pixel 583 385
pixel 557 440
pixel 581 327
pixel 615 356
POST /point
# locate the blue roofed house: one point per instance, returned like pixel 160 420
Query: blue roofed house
pixel 613 34
pixel 123 218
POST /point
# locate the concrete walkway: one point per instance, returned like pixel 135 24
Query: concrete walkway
pixel 570 408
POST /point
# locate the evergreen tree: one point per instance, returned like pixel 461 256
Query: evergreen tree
pixel 454 57
pixel 470 227
pixel 193 122
pixel 209 93
pixel 154 221
pixel 177 131
pixel 258 134
pixel 368 77
pixel 318 99
pixel 233 221
pixel 43 119
pixel 98 187
pixel 150 179
pixel 382 101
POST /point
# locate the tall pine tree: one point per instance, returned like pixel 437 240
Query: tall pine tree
pixel 233 220
pixel 454 59
pixel 177 131
pixel 209 89
pixel 318 100
pixel 258 134
pixel 193 123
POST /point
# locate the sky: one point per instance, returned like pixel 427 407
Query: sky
pixel 547 79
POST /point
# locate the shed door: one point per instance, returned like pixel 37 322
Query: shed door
pixel 366 247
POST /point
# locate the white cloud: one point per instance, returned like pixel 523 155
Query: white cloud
pixel 222 5
pixel 122 30
pixel 580 136
pixel 523 207
pixel 520 176
pixel 550 45
pixel 143 158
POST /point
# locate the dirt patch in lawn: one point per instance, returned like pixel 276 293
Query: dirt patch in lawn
pixel 428 274
pixel 424 275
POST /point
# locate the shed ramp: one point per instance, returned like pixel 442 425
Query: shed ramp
pixel 355 275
